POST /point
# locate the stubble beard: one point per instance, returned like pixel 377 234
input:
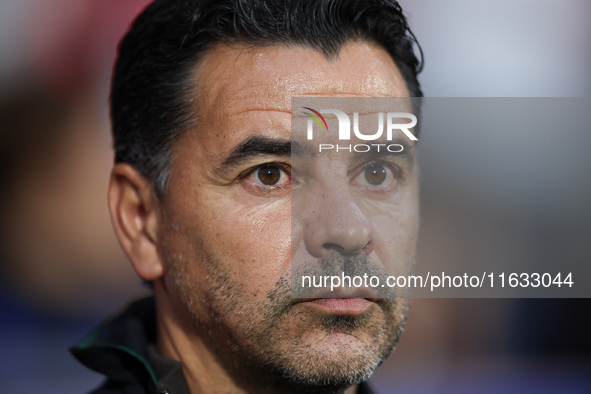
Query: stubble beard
pixel 271 344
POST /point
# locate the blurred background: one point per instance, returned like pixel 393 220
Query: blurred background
pixel 62 271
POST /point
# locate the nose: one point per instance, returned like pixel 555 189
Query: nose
pixel 336 223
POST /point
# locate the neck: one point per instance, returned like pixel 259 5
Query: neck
pixel 177 340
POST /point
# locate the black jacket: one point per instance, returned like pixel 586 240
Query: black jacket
pixel 122 349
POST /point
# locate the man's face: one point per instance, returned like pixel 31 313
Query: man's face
pixel 226 234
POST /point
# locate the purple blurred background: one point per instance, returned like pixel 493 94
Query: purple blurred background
pixel 61 269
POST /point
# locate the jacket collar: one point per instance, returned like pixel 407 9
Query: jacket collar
pixel 117 348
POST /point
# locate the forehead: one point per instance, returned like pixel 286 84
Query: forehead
pixel 238 78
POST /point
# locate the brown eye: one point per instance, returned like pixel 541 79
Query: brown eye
pixel 268 175
pixel 376 174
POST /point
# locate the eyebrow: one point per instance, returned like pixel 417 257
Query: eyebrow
pixel 264 146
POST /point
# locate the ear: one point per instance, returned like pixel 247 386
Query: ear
pixel 134 213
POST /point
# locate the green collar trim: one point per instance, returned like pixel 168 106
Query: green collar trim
pixel 92 342
pixel 88 344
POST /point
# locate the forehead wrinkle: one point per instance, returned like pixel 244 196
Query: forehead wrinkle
pixel 214 82
pixel 265 109
pixel 318 83
pixel 235 94
pixel 275 78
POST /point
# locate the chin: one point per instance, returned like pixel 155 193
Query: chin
pixel 329 362
pixel 327 372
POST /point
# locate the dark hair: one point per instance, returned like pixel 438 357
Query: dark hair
pixel 152 89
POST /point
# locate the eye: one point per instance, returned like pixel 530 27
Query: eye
pixel 376 175
pixel 268 175
pixel 267 178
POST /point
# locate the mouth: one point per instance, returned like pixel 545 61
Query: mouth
pixel 340 306
pixel 341 302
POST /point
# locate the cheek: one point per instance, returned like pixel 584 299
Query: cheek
pixel 252 242
pixel 396 239
pixel 396 234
